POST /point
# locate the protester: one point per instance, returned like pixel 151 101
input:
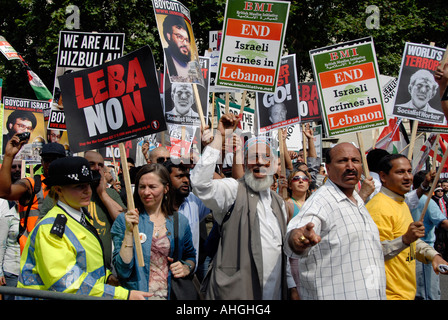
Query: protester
pixel 249 263
pixel 9 247
pixel 154 217
pixel 428 285
pixel 334 233
pixel 312 161
pixel 187 204
pixel 31 191
pixel 400 235
pixel 64 252
pixel 298 190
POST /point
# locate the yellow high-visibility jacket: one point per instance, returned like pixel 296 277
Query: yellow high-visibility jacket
pixel 72 263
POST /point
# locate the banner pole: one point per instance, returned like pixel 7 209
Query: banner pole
pixel 434 184
pixel 198 104
pixel 363 155
pixel 131 205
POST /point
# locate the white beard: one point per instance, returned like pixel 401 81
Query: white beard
pixel 258 185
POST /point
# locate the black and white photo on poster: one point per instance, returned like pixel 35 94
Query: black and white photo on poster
pixel 180 103
pixel 280 109
pixel 417 94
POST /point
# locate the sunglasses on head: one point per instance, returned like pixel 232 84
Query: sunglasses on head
pixel 162 159
pixel 303 178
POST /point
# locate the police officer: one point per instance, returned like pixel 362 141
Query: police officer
pixel 64 252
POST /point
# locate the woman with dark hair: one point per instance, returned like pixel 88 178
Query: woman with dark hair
pixel 154 217
pixel 298 190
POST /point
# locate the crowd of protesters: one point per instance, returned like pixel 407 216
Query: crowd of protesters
pixel 260 231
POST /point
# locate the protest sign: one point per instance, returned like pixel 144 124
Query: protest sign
pixel 309 108
pixel 179 101
pixel 78 51
pixel 179 46
pixel 114 102
pixel 417 95
pixel 8 51
pixel 24 115
pixel 280 109
pixel 252 44
pixel 349 89
pixel 248 120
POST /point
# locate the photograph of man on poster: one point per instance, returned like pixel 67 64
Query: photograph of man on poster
pixel 183 100
pixel 19 121
pixel 422 88
pixel 277 113
pixel 178 52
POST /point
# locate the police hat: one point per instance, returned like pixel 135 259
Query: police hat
pixel 70 170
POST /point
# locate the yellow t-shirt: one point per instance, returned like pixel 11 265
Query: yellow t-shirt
pixel 393 218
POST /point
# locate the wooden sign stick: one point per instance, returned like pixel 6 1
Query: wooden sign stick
pixel 282 159
pixel 363 155
pixel 131 205
pixel 413 135
pixel 198 104
pixel 434 184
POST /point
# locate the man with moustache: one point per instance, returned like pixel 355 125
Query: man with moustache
pixel 249 263
pixel 178 52
pixel 400 235
pixel 334 238
pixel 185 202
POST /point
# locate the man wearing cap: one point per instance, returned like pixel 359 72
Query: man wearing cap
pixel 63 252
pixel 249 263
pixel 30 191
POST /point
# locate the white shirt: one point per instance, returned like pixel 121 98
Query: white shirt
pixel 348 262
pixel 219 195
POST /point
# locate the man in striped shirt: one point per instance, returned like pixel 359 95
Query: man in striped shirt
pixel 334 238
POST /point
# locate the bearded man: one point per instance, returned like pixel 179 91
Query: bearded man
pixel 249 262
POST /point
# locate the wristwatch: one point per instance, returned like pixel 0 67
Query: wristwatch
pixel 425 189
pixel 186 263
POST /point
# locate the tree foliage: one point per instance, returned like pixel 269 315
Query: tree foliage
pixel 32 27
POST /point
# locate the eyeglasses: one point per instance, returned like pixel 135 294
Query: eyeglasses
pixel 181 38
pixel 303 178
pixel 162 159
pixel 16 166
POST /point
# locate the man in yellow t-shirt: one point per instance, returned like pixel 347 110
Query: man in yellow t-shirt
pixel 399 233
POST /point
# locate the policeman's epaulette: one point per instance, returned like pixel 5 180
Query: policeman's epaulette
pixel 58 227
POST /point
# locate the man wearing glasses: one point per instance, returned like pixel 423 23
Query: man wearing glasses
pixel 178 52
pixel 19 121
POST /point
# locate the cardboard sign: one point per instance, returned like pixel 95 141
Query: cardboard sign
pixel 309 108
pixel 114 102
pixel 418 93
pixel 179 101
pixel 24 115
pixel 252 44
pixel 247 122
pixel 349 88
pixel 179 46
pixel 78 51
pixel 8 51
pixel 280 109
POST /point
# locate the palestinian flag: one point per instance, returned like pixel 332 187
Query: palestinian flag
pixel 41 91
pixel 394 137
